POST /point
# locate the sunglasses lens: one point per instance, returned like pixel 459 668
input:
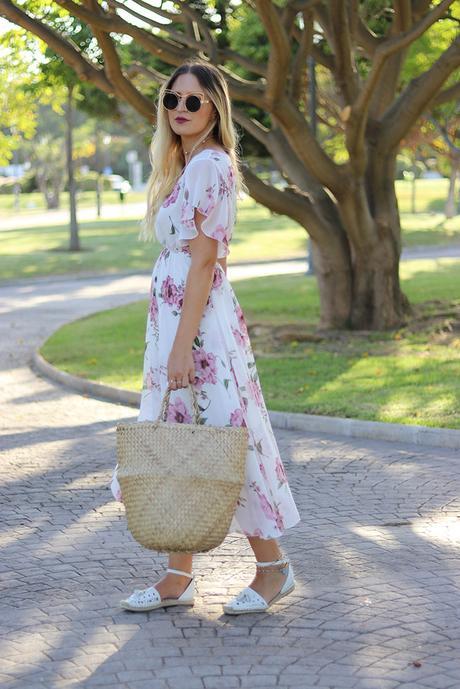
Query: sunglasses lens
pixel 193 103
pixel 170 101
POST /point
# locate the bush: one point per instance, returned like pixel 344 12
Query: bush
pixel 27 184
pixel 87 182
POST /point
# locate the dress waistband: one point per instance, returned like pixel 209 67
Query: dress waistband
pixel 185 249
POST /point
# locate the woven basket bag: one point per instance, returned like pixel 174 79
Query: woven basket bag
pixel 180 482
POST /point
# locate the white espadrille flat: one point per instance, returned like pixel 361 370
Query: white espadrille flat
pixel 249 600
pixel 143 600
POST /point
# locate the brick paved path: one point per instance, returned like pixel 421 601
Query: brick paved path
pixel 376 556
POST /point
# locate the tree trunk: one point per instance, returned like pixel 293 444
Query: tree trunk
pixel 358 268
pixel 98 167
pixel 450 209
pixel 74 238
pixel 49 186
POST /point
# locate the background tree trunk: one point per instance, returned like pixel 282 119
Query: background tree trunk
pixel 450 209
pixel 74 235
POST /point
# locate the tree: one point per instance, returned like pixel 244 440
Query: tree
pixel 347 205
pixel 17 104
pixel 446 122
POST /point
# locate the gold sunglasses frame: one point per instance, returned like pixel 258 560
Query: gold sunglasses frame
pixel 185 95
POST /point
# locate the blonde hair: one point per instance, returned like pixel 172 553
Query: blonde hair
pixel 166 155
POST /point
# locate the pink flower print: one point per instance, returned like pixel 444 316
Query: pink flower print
pixel 187 217
pixel 169 291
pixel 206 210
pixel 153 309
pixel 219 232
pixel 205 366
pixel 177 413
pixel 218 278
pixel 180 297
pixel 280 472
pixel 271 512
pixel 265 505
pixel 237 418
pixel 242 322
pixel 171 198
pixel 255 392
pixel 263 470
pixel 238 336
pixel 230 177
pixel 149 380
pixel 279 519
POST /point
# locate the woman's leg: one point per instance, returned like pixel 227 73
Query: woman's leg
pixel 172 585
pixel 267 581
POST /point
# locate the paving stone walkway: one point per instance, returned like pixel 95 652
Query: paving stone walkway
pixel 376 556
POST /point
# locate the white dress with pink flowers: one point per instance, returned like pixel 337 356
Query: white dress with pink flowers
pixel 226 380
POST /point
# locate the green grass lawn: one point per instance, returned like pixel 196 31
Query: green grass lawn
pixel 430 196
pixel 34 203
pixel 110 246
pixel 409 376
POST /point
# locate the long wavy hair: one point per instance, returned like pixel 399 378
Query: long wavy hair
pixel 166 155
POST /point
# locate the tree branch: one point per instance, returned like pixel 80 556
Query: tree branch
pixel 280 51
pixel 417 96
pixel 151 74
pixel 189 41
pixel 368 40
pixel 299 63
pixel 445 135
pixel 358 118
pixel 196 17
pixel 67 50
pixel 123 86
pixel 225 54
pixel 220 55
pixel 147 5
pixel 391 46
pixel 302 5
pixel 167 50
pixel 447 95
pixel 252 126
pixel 306 147
pixel 345 74
pixel 289 201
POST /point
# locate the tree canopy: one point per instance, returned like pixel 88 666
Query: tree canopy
pixel 340 179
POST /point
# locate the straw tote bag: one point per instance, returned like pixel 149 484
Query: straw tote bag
pixel 180 481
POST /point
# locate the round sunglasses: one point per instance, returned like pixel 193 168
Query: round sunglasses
pixel 192 102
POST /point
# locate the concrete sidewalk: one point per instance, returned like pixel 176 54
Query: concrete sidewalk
pixel 376 555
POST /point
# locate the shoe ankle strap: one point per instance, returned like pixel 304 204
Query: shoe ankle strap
pixel 284 560
pixel 179 571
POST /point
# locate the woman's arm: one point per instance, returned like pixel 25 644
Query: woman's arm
pixel 197 287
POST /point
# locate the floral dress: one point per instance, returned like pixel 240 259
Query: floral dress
pixel 226 380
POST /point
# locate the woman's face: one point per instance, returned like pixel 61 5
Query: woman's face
pixel 194 123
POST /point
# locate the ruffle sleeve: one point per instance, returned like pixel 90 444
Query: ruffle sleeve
pixel 211 192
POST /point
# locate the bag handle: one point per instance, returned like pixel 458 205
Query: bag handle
pixel 165 404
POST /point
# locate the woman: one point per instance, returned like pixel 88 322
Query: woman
pixel 196 332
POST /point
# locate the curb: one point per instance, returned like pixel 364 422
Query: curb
pixel 293 421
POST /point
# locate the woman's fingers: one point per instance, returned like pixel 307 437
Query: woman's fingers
pixel 182 382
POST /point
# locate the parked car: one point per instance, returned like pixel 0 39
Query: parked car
pixel 119 183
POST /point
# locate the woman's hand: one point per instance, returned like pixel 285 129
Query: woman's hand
pixel 181 368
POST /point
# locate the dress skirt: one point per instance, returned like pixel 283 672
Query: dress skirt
pixel 227 389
